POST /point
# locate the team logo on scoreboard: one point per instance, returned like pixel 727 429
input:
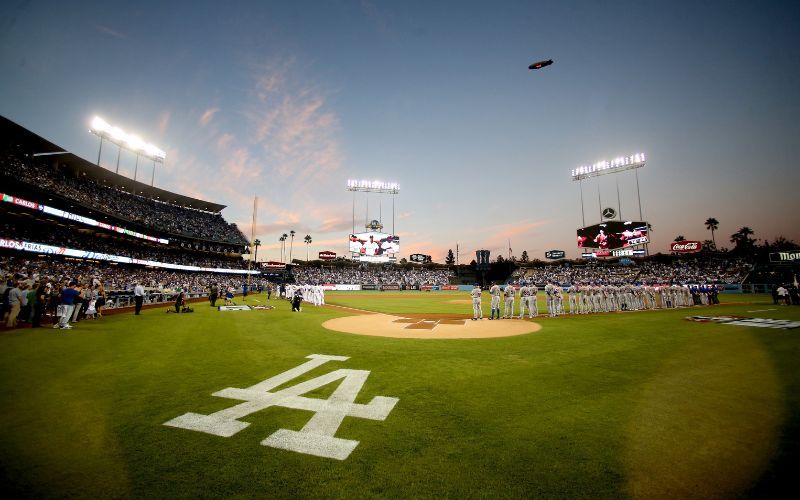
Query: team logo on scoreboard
pixel 318 436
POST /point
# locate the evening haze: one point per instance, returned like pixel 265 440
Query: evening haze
pixel 288 100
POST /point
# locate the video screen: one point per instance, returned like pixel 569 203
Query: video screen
pixel 374 244
pixel 613 234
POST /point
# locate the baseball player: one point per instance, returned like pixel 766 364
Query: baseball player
pixel 509 292
pixel 494 291
pixel 477 311
pixel 573 298
pixel 533 306
pixel 523 300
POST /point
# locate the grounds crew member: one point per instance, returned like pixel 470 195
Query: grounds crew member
pixel 508 313
pixel 477 310
pixel 494 291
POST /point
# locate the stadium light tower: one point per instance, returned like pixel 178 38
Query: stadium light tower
pixel 375 186
pixel 619 164
pixel 130 142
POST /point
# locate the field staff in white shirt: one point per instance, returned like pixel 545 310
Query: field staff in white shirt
pixel 508 312
pixel 138 296
pixel 494 291
pixel 477 310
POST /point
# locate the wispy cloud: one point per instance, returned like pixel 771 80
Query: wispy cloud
pixel 294 128
pixel 110 32
pixel 207 116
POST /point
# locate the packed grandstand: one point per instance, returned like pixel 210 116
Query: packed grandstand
pixel 66 220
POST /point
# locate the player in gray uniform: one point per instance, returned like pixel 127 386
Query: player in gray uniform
pixel 551 298
pixel 494 291
pixel 523 300
pixel 533 305
pixel 509 292
pixel 573 298
pixel 477 310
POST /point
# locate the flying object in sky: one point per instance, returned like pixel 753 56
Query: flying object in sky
pixel 540 64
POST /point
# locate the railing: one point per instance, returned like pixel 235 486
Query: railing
pixel 115 301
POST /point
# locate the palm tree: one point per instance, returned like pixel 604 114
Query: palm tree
pixel 307 239
pixel 742 237
pixel 713 225
pixel 283 244
pixel 291 245
pixel 256 244
pixel 680 237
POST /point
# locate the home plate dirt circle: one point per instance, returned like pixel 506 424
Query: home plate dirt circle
pixel 429 326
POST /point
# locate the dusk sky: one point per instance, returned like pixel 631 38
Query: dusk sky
pixel 288 100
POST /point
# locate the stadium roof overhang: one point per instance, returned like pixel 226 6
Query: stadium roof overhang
pixel 27 142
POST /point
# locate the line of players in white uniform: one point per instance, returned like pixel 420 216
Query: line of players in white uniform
pixel 582 299
pixel 314 294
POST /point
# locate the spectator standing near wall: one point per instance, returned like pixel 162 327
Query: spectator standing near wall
pixel 16 299
pixel 68 296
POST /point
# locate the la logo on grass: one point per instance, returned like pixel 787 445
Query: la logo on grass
pixel 317 437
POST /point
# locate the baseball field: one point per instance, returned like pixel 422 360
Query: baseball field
pixel 382 394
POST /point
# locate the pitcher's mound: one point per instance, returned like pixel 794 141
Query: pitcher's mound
pixel 421 327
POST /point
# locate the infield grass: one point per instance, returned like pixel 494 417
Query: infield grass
pixel 636 404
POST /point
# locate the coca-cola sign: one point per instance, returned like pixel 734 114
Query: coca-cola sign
pixel 685 246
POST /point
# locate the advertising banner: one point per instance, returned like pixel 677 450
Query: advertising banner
pixel 429 288
pixel 784 256
pixel 449 287
pixel 346 287
pixel 390 287
pixel 40 248
pixel 375 259
pixel 419 258
pixel 77 218
pixel 628 252
pixel 327 255
pixel 685 246
pixel 273 266
pixel 555 254
pixel 369 286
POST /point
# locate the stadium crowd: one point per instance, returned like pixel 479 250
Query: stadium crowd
pixel 120 204
pixel 31 288
pixel 68 238
pixel 369 276
pixel 714 271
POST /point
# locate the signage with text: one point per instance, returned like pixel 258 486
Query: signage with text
pixel 684 246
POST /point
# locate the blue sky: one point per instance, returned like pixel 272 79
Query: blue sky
pixel 287 100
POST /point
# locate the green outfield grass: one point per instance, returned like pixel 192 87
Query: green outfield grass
pixel 637 404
